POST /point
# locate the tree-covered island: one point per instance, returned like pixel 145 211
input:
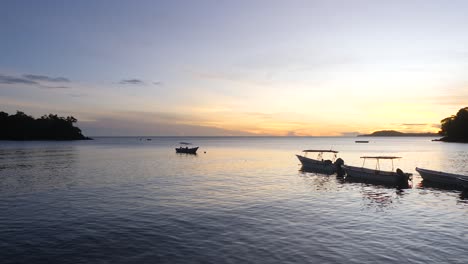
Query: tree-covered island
pixel 48 127
pixel 455 128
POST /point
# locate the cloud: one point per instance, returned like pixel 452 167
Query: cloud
pixel 414 124
pixel 350 134
pixel 5 79
pixel 44 78
pixel 151 124
pixel 158 83
pixel 132 81
pixel 77 95
pixel 54 87
pixel 31 79
pixel 416 127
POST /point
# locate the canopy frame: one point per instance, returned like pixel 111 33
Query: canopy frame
pixel 378 158
pixel 320 153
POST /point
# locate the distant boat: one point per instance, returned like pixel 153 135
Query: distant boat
pixel 361 141
pixel 186 149
pixel 397 177
pixel 442 177
pixel 320 165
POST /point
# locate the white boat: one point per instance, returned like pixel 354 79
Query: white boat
pixel 320 165
pixel 397 177
pixel 442 177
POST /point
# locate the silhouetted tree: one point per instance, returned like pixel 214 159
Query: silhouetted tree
pixel 48 127
pixel 455 128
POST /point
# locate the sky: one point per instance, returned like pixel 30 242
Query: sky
pixel 236 68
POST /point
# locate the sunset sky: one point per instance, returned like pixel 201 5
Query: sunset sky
pixel 318 68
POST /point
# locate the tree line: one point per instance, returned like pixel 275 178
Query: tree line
pixel 455 128
pixel 21 126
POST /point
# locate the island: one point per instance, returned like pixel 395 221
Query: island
pixel 48 127
pixel 455 128
pixel 393 133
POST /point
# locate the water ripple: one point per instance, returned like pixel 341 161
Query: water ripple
pixel 244 201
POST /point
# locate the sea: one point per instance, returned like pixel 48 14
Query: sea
pixel 239 200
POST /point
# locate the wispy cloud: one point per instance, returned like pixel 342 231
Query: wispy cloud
pixel 414 124
pixel 157 124
pixel 54 87
pixel 77 95
pixel 44 78
pixel 350 134
pixel 416 127
pixel 30 79
pixel 5 79
pixel 136 81
pixel 132 81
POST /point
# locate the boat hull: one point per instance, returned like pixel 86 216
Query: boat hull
pixel 313 165
pixel 386 177
pixel 442 177
pixel 187 150
pixel 463 182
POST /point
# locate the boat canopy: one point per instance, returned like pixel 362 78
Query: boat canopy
pixel 380 157
pixel 320 150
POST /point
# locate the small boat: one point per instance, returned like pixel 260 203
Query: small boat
pixel 320 165
pixel 442 177
pixel 463 182
pixel 186 149
pixel 361 141
pixel 397 177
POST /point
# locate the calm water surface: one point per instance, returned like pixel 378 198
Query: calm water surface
pixel 126 200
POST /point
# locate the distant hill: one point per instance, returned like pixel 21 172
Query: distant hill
pixel 48 127
pixel 393 133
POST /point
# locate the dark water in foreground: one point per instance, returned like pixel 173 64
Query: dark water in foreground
pixel 122 200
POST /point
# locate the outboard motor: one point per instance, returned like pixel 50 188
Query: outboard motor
pixel 339 169
pixel 402 178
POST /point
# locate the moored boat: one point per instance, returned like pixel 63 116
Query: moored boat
pixel 319 165
pixel 463 182
pixel 442 177
pixel 397 177
pixel 186 149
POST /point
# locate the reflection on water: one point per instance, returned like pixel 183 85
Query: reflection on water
pixel 464 195
pixel 123 200
pixel 25 170
pixel 440 186
pixel 321 182
pixel 381 198
pixel 186 154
